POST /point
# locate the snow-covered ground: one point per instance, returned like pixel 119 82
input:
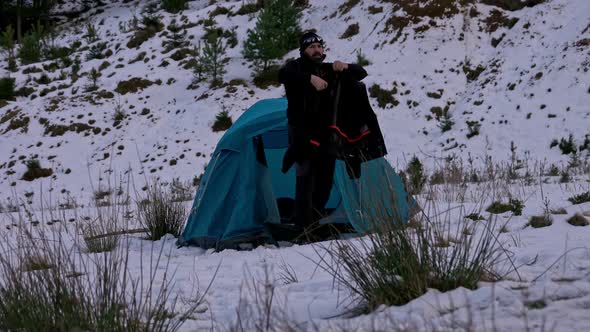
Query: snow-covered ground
pixel 535 88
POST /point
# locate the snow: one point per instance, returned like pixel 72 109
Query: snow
pixel 554 262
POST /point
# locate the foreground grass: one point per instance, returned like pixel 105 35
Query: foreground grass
pixel 48 285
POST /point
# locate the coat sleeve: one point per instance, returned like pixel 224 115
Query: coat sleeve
pixel 289 74
pixel 356 72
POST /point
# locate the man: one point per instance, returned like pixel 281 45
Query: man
pixel 310 88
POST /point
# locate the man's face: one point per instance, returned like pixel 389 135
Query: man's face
pixel 315 51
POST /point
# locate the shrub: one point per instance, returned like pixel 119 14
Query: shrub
pixel 222 121
pixel 219 11
pixel 361 60
pixel 475 216
pixel 565 176
pixel 7 88
pixel 472 128
pixel 578 220
pixel 580 198
pixel 93 76
pixel 446 123
pixel 96 51
pixel 119 115
pixel 161 215
pixel 151 25
pixel 43 79
pixel 132 85
pixel 31 48
pixel 512 4
pixel 99 235
pixel 472 74
pixel 397 264
pixel 176 38
pixel 35 171
pixel 375 10
pixel 416 176
pixel 559 211
pixel 69 292
pixel 567 146
pixel 174 6
pixel 91 33
pixel 497 19
pixel 541 221
pixel 352 30
pixel 276 33
pixel 384 97
pixel 347 6
pixel 513 205
pixel 8 47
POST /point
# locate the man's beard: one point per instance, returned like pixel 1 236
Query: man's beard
pixel 317 58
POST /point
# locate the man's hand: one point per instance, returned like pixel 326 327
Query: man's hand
pixel 318 83
pixel 339 66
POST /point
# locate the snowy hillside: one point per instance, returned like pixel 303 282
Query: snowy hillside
pixel 498 76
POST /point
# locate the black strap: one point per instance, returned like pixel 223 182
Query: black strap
pixel 336 102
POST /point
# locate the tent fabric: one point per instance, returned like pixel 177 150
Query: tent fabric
pixel 243 180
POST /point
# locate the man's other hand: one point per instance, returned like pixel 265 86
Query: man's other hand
pixel 339 66
pixel 318 83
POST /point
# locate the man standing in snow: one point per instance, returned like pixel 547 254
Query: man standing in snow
pixel 309 86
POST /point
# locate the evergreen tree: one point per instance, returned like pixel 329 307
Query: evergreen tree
pixel 7 88
pixel 212 58
pixel 198 69
pixel 276 33
pixel 93 75
pixel 7 45
pixel 176 37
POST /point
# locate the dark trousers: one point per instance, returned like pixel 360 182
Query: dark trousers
pixel 315 177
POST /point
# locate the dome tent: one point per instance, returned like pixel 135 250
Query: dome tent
pixel 243 189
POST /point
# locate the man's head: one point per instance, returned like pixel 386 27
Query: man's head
pixel 312 46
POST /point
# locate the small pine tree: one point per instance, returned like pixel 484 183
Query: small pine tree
pixel 568 146
pixel 176 38
pixel 446 122
pixel 276 33
pixel 6 88
pixel 361 59
pixel 222 121
pixel 7 45
pixel 32 45
pixel 91 33
pixel 416 177
pixel 75 69
pixel 198 69
pixel 30 49
pixel 93 75
pixel 212 57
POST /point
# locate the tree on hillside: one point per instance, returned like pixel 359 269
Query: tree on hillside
pixel 276 33
pixel 176 38
pixel 24 14
pixel 7 45
pixel 212 58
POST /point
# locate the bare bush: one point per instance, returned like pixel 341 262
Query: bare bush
pixel 72 292
pixel 395 263
pixel 160 213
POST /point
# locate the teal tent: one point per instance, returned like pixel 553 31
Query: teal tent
pixel 243 188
